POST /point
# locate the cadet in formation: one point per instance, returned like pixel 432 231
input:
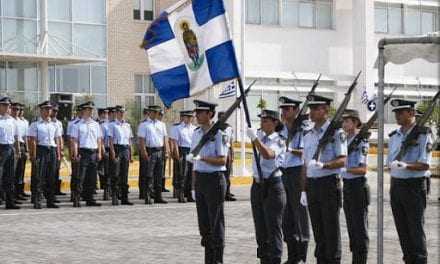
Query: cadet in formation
pixel 153 142
pixel 142 162
pixel 408 170
pixel 268 197
pixel 103 165
pixel 17 110
pixel 181 136
pixel 86 147
pixel 44 151
pixel 120 139
pixel 59 125
pixel 209 168
pixel 356 191
pixel 8 148
pixel 296 218
pixel 322 190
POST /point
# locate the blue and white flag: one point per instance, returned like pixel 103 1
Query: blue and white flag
pixel 229 90
pixel 190 49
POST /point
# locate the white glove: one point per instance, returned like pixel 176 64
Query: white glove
pixel 193 195
pixel 303 200
pixel 190 158
pixel 397 165
pixel 316 164
pixel 343 170
pixel 251 133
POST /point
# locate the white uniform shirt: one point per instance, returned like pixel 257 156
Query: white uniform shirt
pixel 87 133
pixel 120 132
pixel 8 130
pixel 44 132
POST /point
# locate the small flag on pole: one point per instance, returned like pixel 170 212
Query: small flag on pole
pixel 189 49
pixel 229 90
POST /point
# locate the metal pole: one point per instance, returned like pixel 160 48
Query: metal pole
pixel 380 157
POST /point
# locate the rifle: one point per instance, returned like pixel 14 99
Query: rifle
pixel 219 124
pixel 363 132
pixel 336 121
pixel 418 129
pixel 300 117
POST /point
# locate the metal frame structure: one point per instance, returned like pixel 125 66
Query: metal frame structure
pixel 380 108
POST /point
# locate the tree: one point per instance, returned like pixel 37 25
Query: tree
pixel 262 104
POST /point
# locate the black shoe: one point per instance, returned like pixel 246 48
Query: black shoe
pixel 165 190
pixel 12 207
pixel 60 193
pixel 92 203
pixel 230 199
pixel 18 202
pixel 56 201
pixel 52 205
pixel 189 199
pixel 126 202
pixel 21 197
pixel 25 194
pixel 160 201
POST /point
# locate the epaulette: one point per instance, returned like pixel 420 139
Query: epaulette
pixel 176 124
pixel 306 131
pixel 77 121
pixel 392 133
pixel 197 128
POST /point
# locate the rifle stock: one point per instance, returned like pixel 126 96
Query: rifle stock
pixel 336 120
pixel 217 125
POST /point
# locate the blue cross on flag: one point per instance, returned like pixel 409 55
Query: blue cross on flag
pixel 190 49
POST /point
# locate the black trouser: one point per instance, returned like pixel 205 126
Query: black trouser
pixel 408 203
pixel 7 179
pixel 210 191
pixel 43 175
pixel 356 201
pixel 86 176
pixel 268 202
pixel 296 217
pixel 120 175
pixel 143 167
pixel 103 171
pixel 228 172
pixel 325 201
pixel 184 171
pixel 19 169
pixel 155 170
pixel 56 176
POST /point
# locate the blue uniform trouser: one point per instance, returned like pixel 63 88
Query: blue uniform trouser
pixel 210 191
pixel 43 177
pixel 408 203
pixel 296 230
pixel 356 201
pixel 7 178
pixel 155 170
pixel 268 201
pixel 120 176
pixel 324 196
pixel 87 173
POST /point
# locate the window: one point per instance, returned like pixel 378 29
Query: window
pixel 294 13
pixel 20 8
pixel 59 10
pixel 145 93
pixel 403 19
pixel 89 11
pixel 143 9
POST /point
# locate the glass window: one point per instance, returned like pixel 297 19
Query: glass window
pixel 99 79
pixel 138 80
pixel 428 22
pixel 148 85
pixel 60 38
pixel 19 35
pixel 290 13
pixel 89 11
pixel 412 21
pixel 306 14
pixel 395 20
pixel 269 12
pixel 59 10
pixel 380 19
pixel 324 13
pixel 20 8
pixel 148 9
pixel 28 98
pixel 73 79
pixel 100 100
pixel 253 11
pixel 52 78
pixel 136 9
pixel 22 77
pixel 90 40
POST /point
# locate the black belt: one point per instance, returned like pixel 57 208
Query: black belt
pixel 323 178
pixel 5 145
pixel 355 180
pixel 184 148
pixel 122 146
pixel 87 150
pixel 214 173
pixel 155 149
pixel 271 180
pixel 417 180
pixel 45 147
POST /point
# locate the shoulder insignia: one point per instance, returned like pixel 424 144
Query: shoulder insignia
pixel 342 136
pixel 197 128
pixel 176 124
pixel 365 151
pixel 429 148
pixel 392 133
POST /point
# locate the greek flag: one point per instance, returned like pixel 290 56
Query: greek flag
pixel 190 49
pixel 229 90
